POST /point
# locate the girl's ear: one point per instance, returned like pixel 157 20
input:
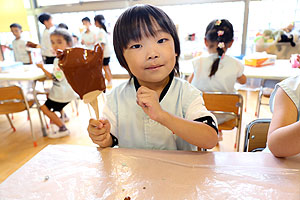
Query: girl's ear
pixel 230 44
pixel 205 42
pixel 70 44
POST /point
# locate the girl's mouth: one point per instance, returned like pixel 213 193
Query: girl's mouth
pixel 154 67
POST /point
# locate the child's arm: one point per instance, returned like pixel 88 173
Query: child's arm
pixel 190 78
pixel 284 131
pixel 196 133
pixel 41 66
pixel 242 79
pixel 99 132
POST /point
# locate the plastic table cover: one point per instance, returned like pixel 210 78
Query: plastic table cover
pixel 81 172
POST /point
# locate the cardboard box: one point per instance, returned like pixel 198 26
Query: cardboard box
pixel 260 59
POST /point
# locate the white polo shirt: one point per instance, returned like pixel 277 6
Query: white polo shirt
pixel 103 37
pixel 61 90
pixel 134 128
pixel 46 46
pixel 20 51
pixel 224 79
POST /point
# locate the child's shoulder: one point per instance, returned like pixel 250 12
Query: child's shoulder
pixel 122 89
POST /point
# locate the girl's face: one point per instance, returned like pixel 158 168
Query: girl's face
pixel 58 42
pixel 151 59
pixel 97 24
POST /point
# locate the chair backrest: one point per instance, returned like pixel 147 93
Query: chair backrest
pixel 11 93
pixel 227 103
pixel 12 100
pixel 256 135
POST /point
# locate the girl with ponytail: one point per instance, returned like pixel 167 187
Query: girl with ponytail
pixel 217 72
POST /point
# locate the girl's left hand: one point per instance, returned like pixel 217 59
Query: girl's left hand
pixel 149 101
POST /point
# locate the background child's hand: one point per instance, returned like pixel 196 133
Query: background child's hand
pixel 149 101
pixel 99 132
pixel 40 65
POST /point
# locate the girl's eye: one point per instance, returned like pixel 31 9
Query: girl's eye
pixel 136 46
pixel 162 40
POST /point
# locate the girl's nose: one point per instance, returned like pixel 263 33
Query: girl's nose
pixel 153 54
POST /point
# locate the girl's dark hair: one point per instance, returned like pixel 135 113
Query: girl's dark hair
pixel 65 34
pixel 135 22
pixel 212 34
pixel 100 19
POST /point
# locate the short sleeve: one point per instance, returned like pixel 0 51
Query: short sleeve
pixel 194 107
pixel 240 69
pixel 291 87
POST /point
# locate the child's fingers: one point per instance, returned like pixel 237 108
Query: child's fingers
pixel 96 131
pixel 96 123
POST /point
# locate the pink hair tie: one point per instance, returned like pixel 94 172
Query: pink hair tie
pixel 220 32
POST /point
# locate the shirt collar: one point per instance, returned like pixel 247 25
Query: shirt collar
pixel 164 91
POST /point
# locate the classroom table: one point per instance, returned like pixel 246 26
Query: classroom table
pixel 83 172
pixel 280 70
pixel 28 73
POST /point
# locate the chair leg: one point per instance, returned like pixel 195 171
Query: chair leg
pixel 258 103
pixel 31 129
pixel 10 122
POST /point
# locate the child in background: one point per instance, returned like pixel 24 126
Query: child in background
pixel 284 130
pixel 154 109
pixel 217 72
pixel 19 45
pixel 88 38
pixel 102 38
pixel 63 25
pixel 75 41
pixel 61 92
pixel 47 51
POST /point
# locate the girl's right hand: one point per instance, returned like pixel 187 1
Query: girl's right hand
pixel 99 132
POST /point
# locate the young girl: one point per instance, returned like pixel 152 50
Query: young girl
pixel 284 130
pixel 217 72
pixel 61 92
pixel 104 41
pixel 154 109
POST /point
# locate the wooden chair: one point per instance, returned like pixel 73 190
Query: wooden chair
pixel 12 100
pixel 226 104
pixel 256 135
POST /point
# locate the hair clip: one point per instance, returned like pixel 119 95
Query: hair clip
pixel 221 45
pixel 220 32
pixel 218 22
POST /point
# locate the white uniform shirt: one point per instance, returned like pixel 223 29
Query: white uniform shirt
pixel 20 52
pixel 61 90
pixel 89 37
pixel 134 128
pixel 223 80
pixel 103 38
pixel 46 46
pixel 291 86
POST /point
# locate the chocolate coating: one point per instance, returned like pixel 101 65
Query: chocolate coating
pixel 31 44
pixel 83 69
